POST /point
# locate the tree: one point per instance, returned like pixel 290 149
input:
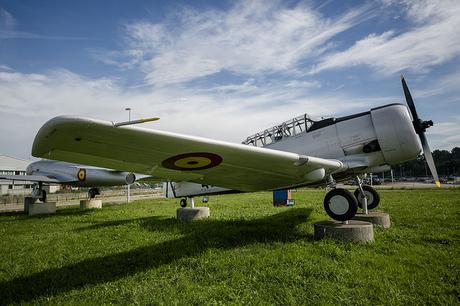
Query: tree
pixel 447 163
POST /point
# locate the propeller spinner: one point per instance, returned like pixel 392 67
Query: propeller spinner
pixel 420 127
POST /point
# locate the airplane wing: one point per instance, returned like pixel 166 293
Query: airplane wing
pixel 174 156
pixel 30 178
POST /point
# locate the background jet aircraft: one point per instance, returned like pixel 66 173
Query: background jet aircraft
pixel 58 172
pixel 287 156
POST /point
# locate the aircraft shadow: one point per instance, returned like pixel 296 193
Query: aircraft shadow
pixel 198 237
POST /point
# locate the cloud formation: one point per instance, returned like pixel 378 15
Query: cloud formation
pixel 263 46
pixel 251 38
pixel 432 40
pixel 229 112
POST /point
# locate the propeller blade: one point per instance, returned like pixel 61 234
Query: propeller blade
pixel 420 127
pixel 429 159
pixel 409 100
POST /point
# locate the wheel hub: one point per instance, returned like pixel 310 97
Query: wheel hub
pixel 338 205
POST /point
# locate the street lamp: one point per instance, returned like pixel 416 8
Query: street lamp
pixel 129 113
pixel 128 187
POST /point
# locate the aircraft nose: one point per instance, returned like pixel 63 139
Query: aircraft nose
pixel 29 169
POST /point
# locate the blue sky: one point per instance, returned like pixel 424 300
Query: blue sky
pixel 224 69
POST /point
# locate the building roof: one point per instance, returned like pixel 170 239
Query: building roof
pixel 13 163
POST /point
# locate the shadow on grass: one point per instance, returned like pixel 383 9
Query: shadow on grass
pixel 198 237
pixel 12 213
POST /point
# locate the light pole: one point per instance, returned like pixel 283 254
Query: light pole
pixel 128 187
pixel 129 113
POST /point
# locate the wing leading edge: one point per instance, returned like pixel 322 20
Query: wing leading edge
pixel 174 156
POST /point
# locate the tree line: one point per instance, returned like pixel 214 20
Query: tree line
pixel 447 164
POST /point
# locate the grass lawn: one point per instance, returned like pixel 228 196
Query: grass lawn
pixel 247 252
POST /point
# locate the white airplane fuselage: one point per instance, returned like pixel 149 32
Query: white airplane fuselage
pixel 366 142
pixel 382 137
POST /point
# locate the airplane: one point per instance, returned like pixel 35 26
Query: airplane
pixel 300 152
pixel 58 172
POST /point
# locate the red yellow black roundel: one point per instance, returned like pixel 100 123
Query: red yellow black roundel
pixel 192 161
pixel 81 174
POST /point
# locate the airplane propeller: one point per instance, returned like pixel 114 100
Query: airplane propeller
pixel 420 127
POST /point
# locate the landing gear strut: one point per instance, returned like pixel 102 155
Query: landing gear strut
pixel 365 192
pixel 38 192
pixel 93 192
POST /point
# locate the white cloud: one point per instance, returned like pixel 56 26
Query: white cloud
pixel 433 40
pixel 444 85
pixel 7 21
pixel 252 37
pixel 445 135
pixel 229 112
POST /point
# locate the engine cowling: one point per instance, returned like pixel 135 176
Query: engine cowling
pixel 395 133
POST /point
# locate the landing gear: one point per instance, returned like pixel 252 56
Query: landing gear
pixel 373 198
pixel 38 192
pixel 340 204
pixel 183 202
pixel 93 192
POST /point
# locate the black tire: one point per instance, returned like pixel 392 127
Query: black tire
pixel 373 198
pixel 340 204
pixel 183 203
pixel 43 198
pixel 93 192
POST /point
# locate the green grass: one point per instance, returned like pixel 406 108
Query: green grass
pixel 247 252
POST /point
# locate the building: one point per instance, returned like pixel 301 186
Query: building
pixel 14 166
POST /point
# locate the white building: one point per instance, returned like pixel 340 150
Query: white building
pixel 14 166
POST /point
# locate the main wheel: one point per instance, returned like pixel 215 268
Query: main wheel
pixel 340 204
pixel 93 192
pixel 183 203
pixel 373 198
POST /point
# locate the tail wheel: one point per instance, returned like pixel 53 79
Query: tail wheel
pixel 183 203
pixel 340 204
pixel 373 198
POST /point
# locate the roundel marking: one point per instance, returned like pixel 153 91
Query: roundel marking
pixel 192 161
pixel 81 174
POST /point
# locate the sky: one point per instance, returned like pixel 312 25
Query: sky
pixel 224 69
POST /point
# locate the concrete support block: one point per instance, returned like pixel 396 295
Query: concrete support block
pixel 27 202
pixel 189 214
pixel 356 231
pixel 377 218
pixel 42 209
pixel 90 204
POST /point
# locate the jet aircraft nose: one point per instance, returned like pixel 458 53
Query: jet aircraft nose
pixel 30 169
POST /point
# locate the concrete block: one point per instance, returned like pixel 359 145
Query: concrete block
pixel 42 209
pixel 356 231
pixel 189 214
pixel 27 202
pixel 90 204
pixel 377 218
